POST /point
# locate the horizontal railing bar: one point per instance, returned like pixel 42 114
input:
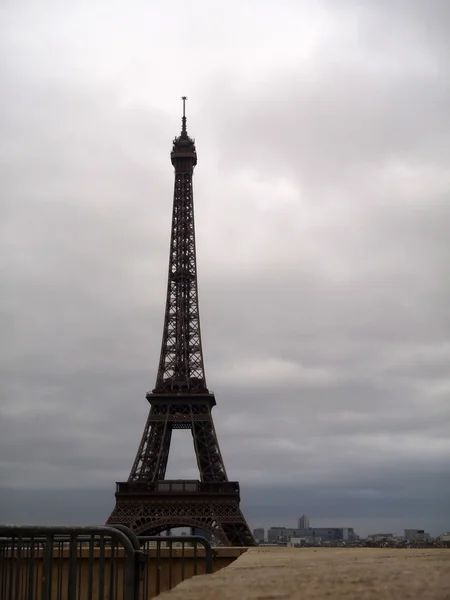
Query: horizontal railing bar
pixel 196 539
pixel 32 531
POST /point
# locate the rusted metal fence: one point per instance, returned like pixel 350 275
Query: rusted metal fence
pixel 95 563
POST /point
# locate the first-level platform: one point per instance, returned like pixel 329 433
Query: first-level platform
pixel 150 508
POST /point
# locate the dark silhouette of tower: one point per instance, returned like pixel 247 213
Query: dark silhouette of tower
pixel 147 502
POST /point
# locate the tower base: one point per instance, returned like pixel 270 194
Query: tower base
pixel 150 508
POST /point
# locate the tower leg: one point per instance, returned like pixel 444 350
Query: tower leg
pixel 150 504
pixel 151 460
pixel 209 458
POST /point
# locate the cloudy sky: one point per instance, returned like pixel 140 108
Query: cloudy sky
pixel 322 206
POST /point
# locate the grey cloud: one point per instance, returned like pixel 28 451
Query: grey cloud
pixel 321 206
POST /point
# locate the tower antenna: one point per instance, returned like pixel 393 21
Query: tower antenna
pixel 183 120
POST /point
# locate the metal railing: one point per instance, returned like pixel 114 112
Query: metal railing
pixel 95 563
pixel 68 563
pixel 172 560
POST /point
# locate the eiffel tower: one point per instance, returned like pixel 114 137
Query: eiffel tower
pixel 148 503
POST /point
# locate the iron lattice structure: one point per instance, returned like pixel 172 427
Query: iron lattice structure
pixel 147 502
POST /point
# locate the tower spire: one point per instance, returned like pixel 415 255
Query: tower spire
pixel 183 120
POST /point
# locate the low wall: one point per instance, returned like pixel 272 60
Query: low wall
pixel 97 573
pixel 168 569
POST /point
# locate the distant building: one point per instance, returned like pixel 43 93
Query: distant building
pixel 445 537
pixel 311 535
pixel 319 535
pixel 303 522
pixel 416 534
pixel 305 541
pixel 381 536
pixel 258 534
pixel 279 534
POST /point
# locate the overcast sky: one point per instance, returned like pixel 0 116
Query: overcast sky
pixel 322 214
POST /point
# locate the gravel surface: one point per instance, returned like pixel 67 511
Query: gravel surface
pixel 332 573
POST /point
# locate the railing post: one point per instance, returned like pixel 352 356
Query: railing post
pixel 140 559
pixel 47 568
pixel 72 576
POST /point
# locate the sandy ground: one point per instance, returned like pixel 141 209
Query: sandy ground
pixel 304 573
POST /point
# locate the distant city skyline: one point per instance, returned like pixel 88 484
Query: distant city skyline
pixel 78 506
